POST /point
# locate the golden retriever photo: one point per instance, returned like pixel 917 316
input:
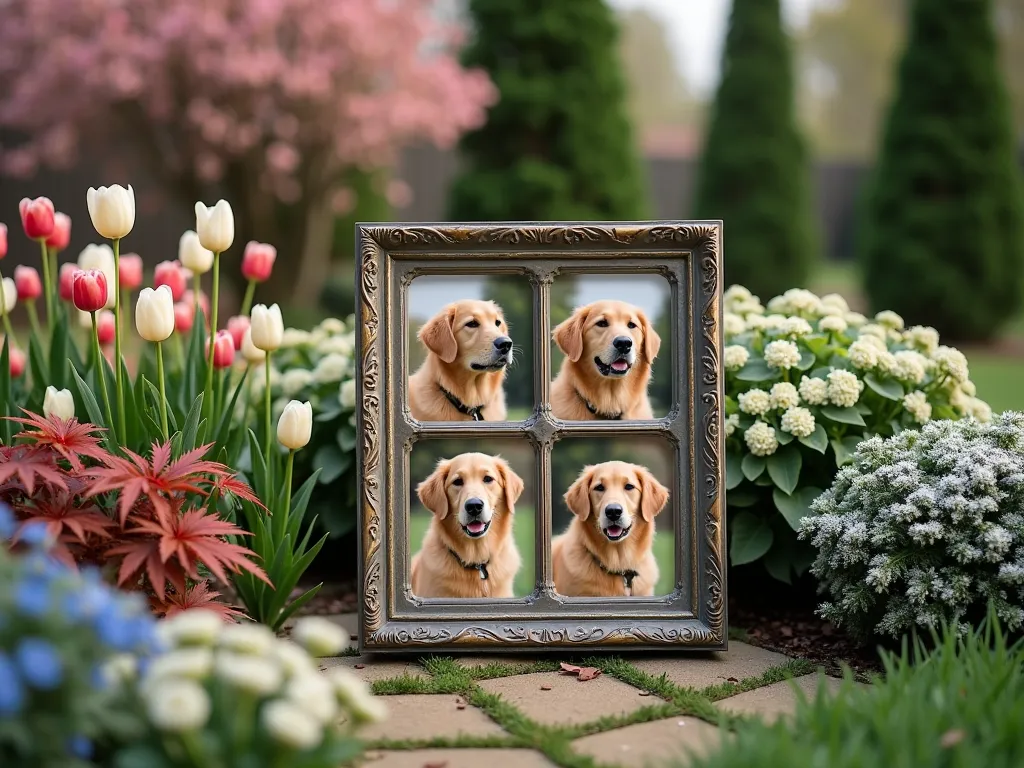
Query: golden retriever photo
pixel 607 549
pixel 609 347
pixel 468 549
pixel 468 353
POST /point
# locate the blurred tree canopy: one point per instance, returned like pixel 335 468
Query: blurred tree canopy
pixel 943 234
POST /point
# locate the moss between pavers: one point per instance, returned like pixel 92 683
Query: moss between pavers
pixel 555 742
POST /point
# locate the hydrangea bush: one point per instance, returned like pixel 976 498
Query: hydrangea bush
pixel 925 527
pixel 806 381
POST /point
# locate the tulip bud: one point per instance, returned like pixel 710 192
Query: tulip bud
pixel 169 273
pixel 59 403
pixel 215 226
pixel 100 257
pixel 3 240
pixel 89 290
pixel 204 302
pixel 129 274
pixel 258 261
pixel 267 327
pixel 192 255
pixel 237 326
pixel 295 425
pixel 67 279
pixel 184 316
pixel 61 235
pixel 154 313
pixel 28 284
pixel 112 210
pixel 36 217
pixel 250 351
pixel 17 362
pixel 10 294
pixel 223 350
pixel 105 327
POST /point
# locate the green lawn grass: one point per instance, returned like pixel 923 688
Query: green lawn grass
pixel 1000 380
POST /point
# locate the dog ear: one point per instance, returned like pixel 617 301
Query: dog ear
pixel 568 335
pixel 653 495
pixel 439 335
pixel 431 491
pixel 513 484
pixel 577 498
pixel 652 341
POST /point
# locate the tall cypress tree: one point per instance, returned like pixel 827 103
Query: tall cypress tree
pixel 557 145
pixel 943 235
pixel 754 173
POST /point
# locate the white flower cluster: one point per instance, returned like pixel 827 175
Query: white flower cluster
pixel 297 705
pixel 925 527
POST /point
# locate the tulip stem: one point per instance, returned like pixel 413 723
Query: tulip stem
pixel 118 384
pixel 100 360
pixel 163 394
pixel 47 285
pixel 54 284
pixel 266 410
pixel 282 524
pixel 33 320
pixel 247 301
pixel 197 286
pixel 7 320
pixel 213 325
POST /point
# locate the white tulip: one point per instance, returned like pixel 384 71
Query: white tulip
pixel 178 705
pixel 59 403
pixel 267 327
pixel 192 255
pixel 112 210
pixel 216 226
pixel 101 257
pixel 250 351
pixel 10 294
pixel 154 313
pixel 295 427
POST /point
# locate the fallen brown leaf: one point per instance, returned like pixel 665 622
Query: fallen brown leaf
pixel 731 680
pixel 570 669
pixel 952 738
pixel 545 687
pixel 438 764
pixel 645 693
pixel 589 673
pixel 359 666
pixel 460 703
pixel 786 631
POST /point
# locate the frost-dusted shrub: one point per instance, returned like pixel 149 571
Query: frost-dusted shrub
pixel 924 527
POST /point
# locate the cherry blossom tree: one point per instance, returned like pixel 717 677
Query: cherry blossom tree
pixel 272 102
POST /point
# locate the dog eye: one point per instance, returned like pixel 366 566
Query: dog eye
pixel 457 481
pixel 488 479
pixel 601 323
pixel 599 488
pixel 631 324
pixel 472 324
pixel 498 323
pixel 630 486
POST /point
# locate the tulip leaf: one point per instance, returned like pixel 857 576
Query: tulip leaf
pixel 5 392
pixel 59 352
pixel 92 408
pixel 37 364
pixel 191 428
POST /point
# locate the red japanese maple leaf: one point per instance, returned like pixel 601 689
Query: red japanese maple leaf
pixel 144 554
pixel 71 439
pixel 156 479
pixel 29 463
pixel 197 596
pixel 229 484
pixel 63 518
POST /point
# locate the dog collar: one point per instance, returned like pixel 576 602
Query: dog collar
pixel 590 407
pixel 482 567
pixel 474 412
pixel 627 576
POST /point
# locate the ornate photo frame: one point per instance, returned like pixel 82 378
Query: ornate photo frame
pixel 688 254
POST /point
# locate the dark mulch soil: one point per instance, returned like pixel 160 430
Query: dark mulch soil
pixel 331 599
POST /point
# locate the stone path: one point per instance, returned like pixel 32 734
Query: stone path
pixel 510 712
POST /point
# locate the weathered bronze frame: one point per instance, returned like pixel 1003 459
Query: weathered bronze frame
pixel 688 255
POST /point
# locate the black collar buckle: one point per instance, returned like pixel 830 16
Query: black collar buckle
pixel 474 412
pixel 481 567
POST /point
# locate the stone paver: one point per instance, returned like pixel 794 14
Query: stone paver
pixel 458 758
pixel 427 716
pixel 569 701
pixel 657 742
pixel 740 661
pixel 776 700
pixel 347 621
pixel 373 668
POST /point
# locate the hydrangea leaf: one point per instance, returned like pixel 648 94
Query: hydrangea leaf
pixel 753 466
pixel 332 461
pixel 888 388
pixel 751 538
pixel 816 342
pixel 845 448
pixel 784 468
pixel 807 360
pixel 795 506
pixel 784 438
pixel 863 408
pixel 818 439
pixel 733 471
pixel 843 415
pixel 742 498
pixel 756 369
pixel 776 562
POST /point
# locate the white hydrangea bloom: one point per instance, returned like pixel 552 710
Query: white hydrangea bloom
pixel 754 402
pixel 951 362
pixel 747 308
pixel 784 395
pixel 295 337
pixel 979 410
pixel 889 319
pixel 760 439
pixel 798 422
pixel 887 363
pixel 917 405
pixel 192 627
pixel 910 366
pixel 969 388
pixel 731 423
pixel 863 355
pixel 735 357
pixel 259 675
pixel 337 345
pixel 330 368
pixel 923 337
pixel 294 380
pixel 797 301
pixel 873 329
pixel 332 326
pixel 773 322
pixel 320 636
pixel 314 693
pixel 733 324
pixel 291 725
pixel 844 388
pixel 835 301
pixel 194 663
pixel 177 706
pixel 781 354
pixel 795 326
pixel 832 324
pixel 856 319
pixel 347 393
pixel 814 391
pixel 736 293
pixel 252 639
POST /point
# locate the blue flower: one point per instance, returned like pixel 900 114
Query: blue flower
pixel 11 692
pixel 8 525
pixel 80 747
pixel 88 602
pixel 32 597
pixel 40 663
pixel 34 534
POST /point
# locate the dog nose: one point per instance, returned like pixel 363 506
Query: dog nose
pixel 613 511
pixel 474 507
pixel 623 344
pixel 503 344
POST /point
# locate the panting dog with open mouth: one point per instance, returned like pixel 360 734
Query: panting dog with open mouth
pixel 607 549
pixel 609 347
pixel 468 549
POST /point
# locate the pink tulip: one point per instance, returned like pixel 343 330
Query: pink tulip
pixel 3 240
pixel 61 235
pixel 37 217
pixel 105 327
pixel 204 302
pixel 17 361
pixel 258 261
pixel 129 274
pixel 237 326
pixel 223 349
pixel 184 316
pixel 27 281
pixel 89 290
pixel 67 280
pixel 171 274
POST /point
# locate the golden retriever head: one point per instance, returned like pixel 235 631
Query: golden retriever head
pixel 473 488
pixel 617 496
pixel 613 334
pixel 471 334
